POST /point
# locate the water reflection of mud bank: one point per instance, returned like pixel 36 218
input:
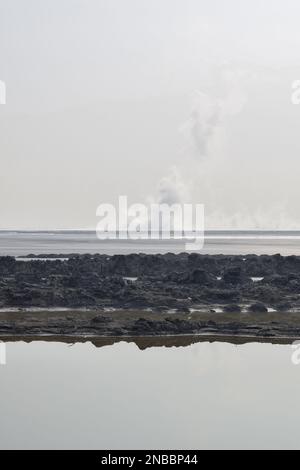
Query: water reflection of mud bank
pixel 145 342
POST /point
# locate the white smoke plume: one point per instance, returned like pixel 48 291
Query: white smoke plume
pixel 204 133
pixel 206 123
pixel 205 169
pixel 172 189
pixel 201 128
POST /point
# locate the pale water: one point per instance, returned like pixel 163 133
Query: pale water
pixel 226 242
pixel 206 396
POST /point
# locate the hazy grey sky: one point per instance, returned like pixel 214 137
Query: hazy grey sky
pixel 109 97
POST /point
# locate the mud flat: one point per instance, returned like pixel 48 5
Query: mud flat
pixel 98 296
pixel 152 328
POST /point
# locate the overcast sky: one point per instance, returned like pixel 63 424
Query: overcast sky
pixel 143 98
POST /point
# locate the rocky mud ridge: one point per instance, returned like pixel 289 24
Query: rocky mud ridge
pixel 160 282
pixel 172 294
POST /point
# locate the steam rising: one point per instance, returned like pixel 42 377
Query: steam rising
pixel 171 189
pixel 229 184
pixel 204 133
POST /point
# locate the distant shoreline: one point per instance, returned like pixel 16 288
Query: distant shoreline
pixel 71 242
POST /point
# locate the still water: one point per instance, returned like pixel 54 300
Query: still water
pixel 204 395
pixel 222 241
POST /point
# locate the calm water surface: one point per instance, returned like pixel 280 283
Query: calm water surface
pixel 206 395
pixel 226 242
